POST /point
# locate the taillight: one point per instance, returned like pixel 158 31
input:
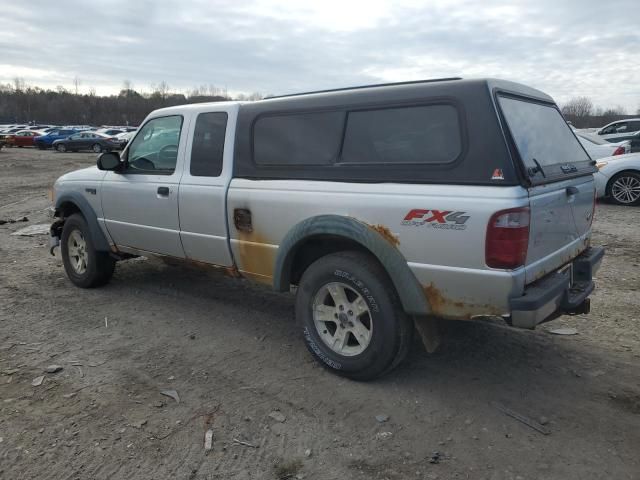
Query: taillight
pixel 507 238
pixel 619 151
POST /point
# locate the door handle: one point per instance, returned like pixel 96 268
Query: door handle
pixel 163 191
pixel 572 191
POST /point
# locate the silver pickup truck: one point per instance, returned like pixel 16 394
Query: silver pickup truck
pixel 383 208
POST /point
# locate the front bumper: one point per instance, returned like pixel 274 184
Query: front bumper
pixel 601 181
pixel 563 292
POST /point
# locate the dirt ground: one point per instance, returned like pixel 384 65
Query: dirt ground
pixel 233 354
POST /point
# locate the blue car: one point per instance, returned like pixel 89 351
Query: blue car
pixel 46 141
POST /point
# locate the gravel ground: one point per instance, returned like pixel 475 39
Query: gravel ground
pixel 232 353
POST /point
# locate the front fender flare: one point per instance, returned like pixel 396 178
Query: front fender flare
pixel 409 290
pixel 100 242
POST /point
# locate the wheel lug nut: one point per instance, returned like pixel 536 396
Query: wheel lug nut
pixel 350 312
pixel 341 307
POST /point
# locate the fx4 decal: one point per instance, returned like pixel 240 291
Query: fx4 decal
pixel 443 219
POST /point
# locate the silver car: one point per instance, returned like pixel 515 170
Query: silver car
pixel 384 208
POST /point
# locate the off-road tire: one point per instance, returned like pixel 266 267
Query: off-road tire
pixel 99 265
pixel 392 328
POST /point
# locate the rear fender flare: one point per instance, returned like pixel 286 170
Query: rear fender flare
pixel 409 289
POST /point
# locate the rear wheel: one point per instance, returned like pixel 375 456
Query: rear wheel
pixel 85 267
pixel 97 148
pixel 624 188
pixel 61 147
pixel 350 316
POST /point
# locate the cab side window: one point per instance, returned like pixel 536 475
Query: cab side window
pixel 208 144
pixel 155 149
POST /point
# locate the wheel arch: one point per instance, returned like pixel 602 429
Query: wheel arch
pixel 317 236
pixel 72 202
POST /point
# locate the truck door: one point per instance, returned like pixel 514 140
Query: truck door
pixel 203 186
pixel 140 203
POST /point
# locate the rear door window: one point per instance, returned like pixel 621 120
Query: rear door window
pixel 423 134
pixel 546 144
pixel 208 144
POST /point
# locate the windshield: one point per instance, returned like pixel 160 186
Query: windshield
pixel 541 135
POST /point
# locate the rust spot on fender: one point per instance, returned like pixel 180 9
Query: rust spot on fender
pixel 436 300
pixel 444 307
pixel 386 233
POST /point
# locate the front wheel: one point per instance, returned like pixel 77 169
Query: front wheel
pixel 97 148
pixel 351 317
pixel 85 267
pixel 624 188
pixel 61 147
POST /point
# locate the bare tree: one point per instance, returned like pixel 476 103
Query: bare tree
pixel 255 96
pixel 614 111
pixel 578 107
pixel 162 89
pixel 76 84
pixel 127 85
pixel 19 84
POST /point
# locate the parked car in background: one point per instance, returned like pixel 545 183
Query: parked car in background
pixel 87 140
pixel 124 138
pixel 23 138
pixel 45 141
pixel 597 147
pixel 11 130
pixel 110 131
pixel 621 130
pixel 618 178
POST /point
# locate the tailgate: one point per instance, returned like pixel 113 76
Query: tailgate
pixel 561 215
pixel 559 176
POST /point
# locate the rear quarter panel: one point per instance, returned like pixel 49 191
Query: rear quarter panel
pixel 447 258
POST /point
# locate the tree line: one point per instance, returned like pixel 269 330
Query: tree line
pixel 581 112
pixel 21 103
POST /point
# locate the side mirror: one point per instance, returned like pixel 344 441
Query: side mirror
pixel 109 161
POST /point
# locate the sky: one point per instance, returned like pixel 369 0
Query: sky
pixel 566 48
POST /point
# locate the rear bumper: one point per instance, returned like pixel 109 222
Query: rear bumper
pixel 563 292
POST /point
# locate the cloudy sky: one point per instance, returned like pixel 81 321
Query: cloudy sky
pixel 564 47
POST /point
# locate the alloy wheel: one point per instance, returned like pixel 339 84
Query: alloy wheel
pixel 342 319
pixel 626 189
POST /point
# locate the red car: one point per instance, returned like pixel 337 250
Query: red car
pixel 23 138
